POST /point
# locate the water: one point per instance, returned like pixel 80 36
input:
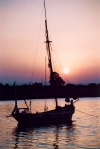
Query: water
pixel 84 132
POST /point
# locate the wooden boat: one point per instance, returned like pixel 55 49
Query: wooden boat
pixel 55 116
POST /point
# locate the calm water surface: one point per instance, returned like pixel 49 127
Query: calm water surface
pixel 84 132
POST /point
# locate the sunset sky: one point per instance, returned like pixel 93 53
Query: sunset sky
pixel 74 28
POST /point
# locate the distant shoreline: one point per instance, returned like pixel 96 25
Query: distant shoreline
pixel 38 91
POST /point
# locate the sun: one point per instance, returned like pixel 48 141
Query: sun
pixel 66 70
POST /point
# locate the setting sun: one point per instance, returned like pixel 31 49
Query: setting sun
pixel 66 70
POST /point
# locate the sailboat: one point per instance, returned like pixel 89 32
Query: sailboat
pixel 56 116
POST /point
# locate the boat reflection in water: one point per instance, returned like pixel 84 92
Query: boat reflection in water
pixel 51 136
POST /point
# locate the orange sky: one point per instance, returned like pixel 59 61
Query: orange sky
pixel 74 28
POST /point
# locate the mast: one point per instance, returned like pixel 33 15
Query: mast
pixel 15 93
pixel 49 53
pixel 16 106
pixel 45 71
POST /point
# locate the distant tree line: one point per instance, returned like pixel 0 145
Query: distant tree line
pixel 37 91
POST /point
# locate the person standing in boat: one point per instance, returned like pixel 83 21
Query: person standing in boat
pixel 67 100
pixel 72 108
pixel 71 103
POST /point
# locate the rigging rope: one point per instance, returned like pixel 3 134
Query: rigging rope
pixel 55 54
pixel 89 103
pixel 26 103
pixel 37 45
pixel 86 113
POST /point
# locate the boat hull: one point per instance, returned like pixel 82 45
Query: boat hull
pixel 57 116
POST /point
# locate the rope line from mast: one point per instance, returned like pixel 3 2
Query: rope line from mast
pixel 37 45
pixel 87 113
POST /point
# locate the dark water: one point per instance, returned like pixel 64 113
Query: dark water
pixel 84 132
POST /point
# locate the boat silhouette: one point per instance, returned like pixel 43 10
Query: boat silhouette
pixel 59 114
